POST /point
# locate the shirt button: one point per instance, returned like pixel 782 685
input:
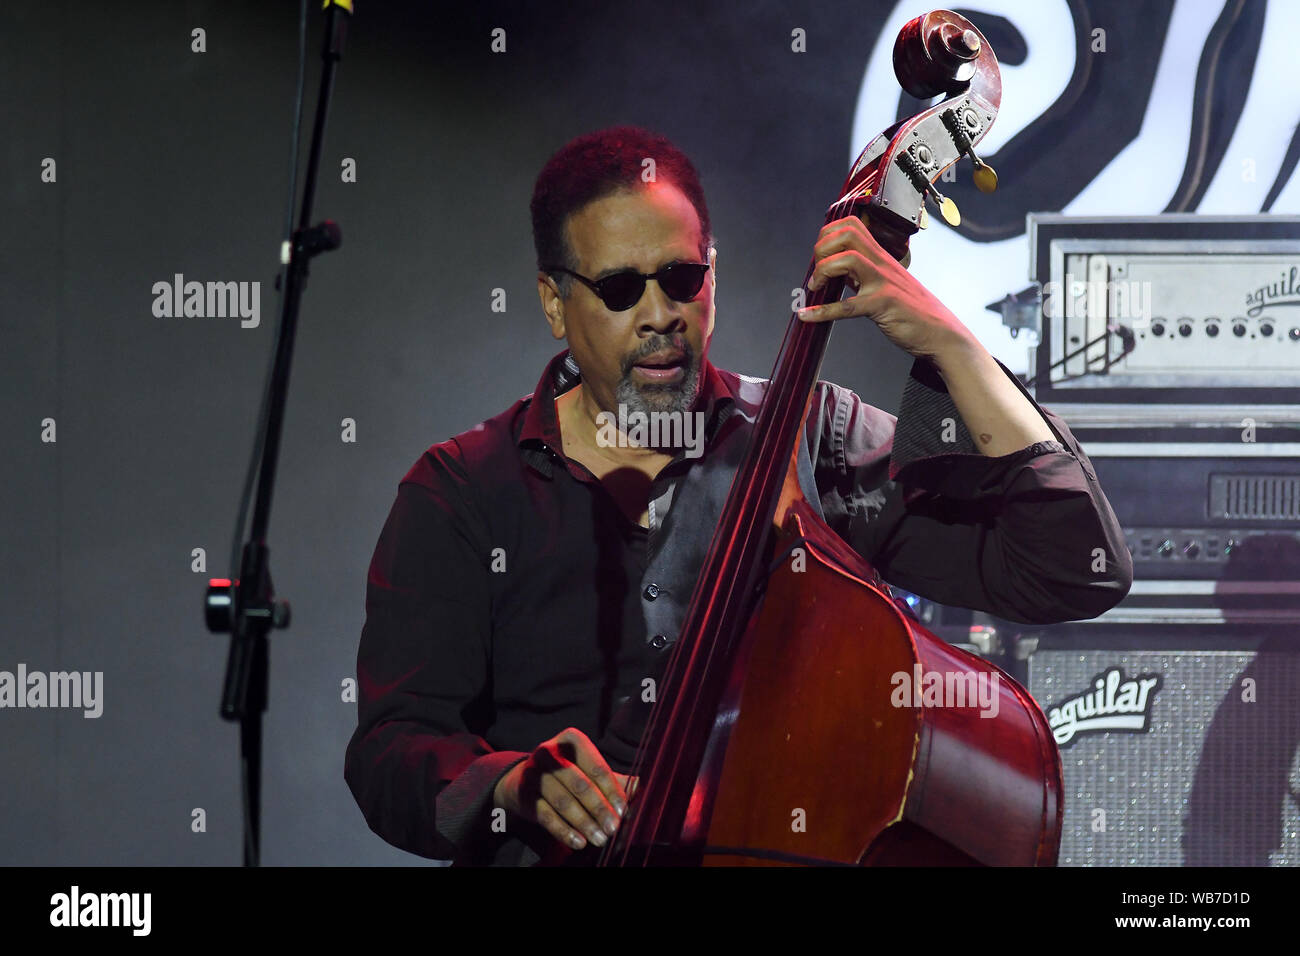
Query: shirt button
pixel 651 591
pixel 658 642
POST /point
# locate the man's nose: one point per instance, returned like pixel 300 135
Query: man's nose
pixel 657 312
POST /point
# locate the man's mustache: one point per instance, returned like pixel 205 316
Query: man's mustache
pixel 662 343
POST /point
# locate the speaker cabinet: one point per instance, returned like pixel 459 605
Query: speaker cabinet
pixel 1179 744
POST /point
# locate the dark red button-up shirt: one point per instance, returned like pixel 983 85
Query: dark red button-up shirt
pixel 509 597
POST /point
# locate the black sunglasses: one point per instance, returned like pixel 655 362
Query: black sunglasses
pixel 681 281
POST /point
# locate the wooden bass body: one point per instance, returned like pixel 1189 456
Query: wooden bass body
pixel 818 685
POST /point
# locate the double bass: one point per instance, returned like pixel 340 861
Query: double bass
pixel 776 739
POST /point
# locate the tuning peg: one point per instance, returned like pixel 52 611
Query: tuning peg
pixel 986 177
pixel 947 208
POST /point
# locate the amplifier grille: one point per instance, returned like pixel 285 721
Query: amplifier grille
pixel 1266 497
pixel 1213 781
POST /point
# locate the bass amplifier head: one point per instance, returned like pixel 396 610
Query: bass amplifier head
pixel 1166 309
pixel 1174 755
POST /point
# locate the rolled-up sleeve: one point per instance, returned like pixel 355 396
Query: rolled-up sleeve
pixel 417 764
pixel 1028 536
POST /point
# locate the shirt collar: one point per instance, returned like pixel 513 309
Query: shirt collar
pixel 539 438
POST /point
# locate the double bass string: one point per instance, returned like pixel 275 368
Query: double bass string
pixel 782 385
pixel 797 355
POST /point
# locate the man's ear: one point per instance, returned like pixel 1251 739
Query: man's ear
pixel 713 272
pixel 552 304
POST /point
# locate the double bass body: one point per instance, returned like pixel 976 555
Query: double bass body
pixel 821 766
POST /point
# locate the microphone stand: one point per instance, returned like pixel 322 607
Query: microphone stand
pixel 246 608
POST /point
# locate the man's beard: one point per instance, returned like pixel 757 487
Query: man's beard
pixel 649 397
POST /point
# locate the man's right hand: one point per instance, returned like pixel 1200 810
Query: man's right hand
pixel 566 787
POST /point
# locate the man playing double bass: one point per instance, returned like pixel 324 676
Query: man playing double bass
pixel 532 571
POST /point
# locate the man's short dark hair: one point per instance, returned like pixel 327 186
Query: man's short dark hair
pixel 597 165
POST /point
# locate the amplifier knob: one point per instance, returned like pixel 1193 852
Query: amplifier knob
pixel 1294 334
pixel 1191 549
pixel 1238 329
pixel 1157 328
pixel 1212 329
pixel 1185 329
pixel 1165 549
pixel 1266 329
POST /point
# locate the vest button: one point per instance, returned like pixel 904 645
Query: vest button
pixel 651 591
pixel 658 642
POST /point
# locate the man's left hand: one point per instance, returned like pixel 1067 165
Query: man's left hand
pixel 906 311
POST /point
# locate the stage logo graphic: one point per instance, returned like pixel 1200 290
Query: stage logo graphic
pixel 1112 704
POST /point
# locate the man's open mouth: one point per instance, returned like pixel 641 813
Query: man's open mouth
pixel 662 367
